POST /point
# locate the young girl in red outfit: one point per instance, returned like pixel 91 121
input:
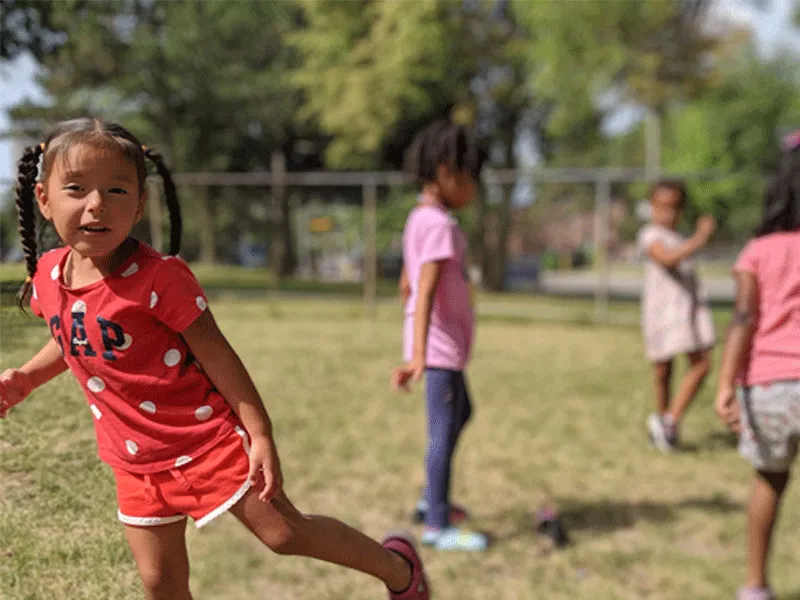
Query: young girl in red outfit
pixel 134 328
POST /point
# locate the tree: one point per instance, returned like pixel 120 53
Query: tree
pixel 27 26
pixel 202 80
pixel 375 72
pixel 734 128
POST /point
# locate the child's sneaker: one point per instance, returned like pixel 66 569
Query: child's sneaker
pixel 418 589
pixel 458 515
pixel 670 431
pixel 755 594
pixel 658 433
pixel 454 539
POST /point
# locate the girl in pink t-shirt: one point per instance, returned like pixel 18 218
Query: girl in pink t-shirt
pixel 759 386
pixel 176 415
pixel 439 319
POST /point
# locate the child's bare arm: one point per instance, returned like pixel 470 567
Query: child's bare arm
pixel 404 287
pixel 671 258
pixel 741 330
pixel 17 384
pixel 226 371
pixel 740 337
pixel 428 280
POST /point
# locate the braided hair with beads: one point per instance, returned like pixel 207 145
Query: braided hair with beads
pixel 66 135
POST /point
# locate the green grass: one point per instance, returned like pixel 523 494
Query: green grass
pixel 559 417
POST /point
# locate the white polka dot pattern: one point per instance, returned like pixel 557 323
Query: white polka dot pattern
pixel 79 307
pixel 95 411
pixel 54 273
pixel 127 342
pixel 182 460
pixel 148 407
pixel 153 299
pixel 203 413
pixel 201 303
pixel 132 447
pixel 96 385
pixel 172 357
pixel 131 270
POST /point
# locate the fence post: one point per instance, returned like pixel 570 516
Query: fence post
pixel 370 199
pixel 601 225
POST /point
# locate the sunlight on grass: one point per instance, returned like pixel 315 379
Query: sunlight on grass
pixel 560 412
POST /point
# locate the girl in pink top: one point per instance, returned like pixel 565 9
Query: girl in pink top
pixel 134 328
pixel 439 320
pixel 759 386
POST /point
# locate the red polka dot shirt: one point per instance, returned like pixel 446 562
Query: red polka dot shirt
pixel 153 407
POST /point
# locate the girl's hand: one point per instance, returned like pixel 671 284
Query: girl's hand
pixel 14 388
pixel 264 457
pixel 404 290
pixel 706 226
pixel 411 372
pixel 727 408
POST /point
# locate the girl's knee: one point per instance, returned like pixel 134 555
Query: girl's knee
pixel 701 362
pixel 284 541
pixel 161 583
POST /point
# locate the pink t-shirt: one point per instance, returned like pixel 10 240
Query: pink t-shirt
pixel 432 234
pixel 775 261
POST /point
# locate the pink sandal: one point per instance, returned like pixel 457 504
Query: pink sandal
pixel 418 589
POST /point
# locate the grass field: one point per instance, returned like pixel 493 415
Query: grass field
pixel 559 417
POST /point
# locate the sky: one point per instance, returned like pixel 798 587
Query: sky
pixel 771 25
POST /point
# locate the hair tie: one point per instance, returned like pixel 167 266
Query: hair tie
pixel 28 280
pixel 791 141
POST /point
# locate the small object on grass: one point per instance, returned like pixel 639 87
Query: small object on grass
pixel 548 523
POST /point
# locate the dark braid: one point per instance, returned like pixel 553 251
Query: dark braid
pixel 443 143
pixel 782 197
pixel 171 196
pixel 28 169
pixel 66 135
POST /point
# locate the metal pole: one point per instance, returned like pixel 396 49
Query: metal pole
pixel 601 226
pixel 370 198
pixel 652 133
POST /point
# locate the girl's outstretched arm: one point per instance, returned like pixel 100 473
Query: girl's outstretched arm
pixel 226 371
pixel 740 336
pixel 671 258
pixel 16 384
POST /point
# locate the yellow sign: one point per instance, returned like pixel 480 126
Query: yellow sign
pixel 321 225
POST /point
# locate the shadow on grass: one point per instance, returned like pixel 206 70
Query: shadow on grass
pixel 713 441
pixel 606 516
pixel 610 515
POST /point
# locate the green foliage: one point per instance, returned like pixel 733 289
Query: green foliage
pixel 367 65
pixel 734 128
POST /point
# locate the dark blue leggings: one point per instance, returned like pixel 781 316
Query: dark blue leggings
pixel 449 409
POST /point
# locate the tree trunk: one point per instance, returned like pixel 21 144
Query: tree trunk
pixel 495 255
pixel 205 221
pixel 285 260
